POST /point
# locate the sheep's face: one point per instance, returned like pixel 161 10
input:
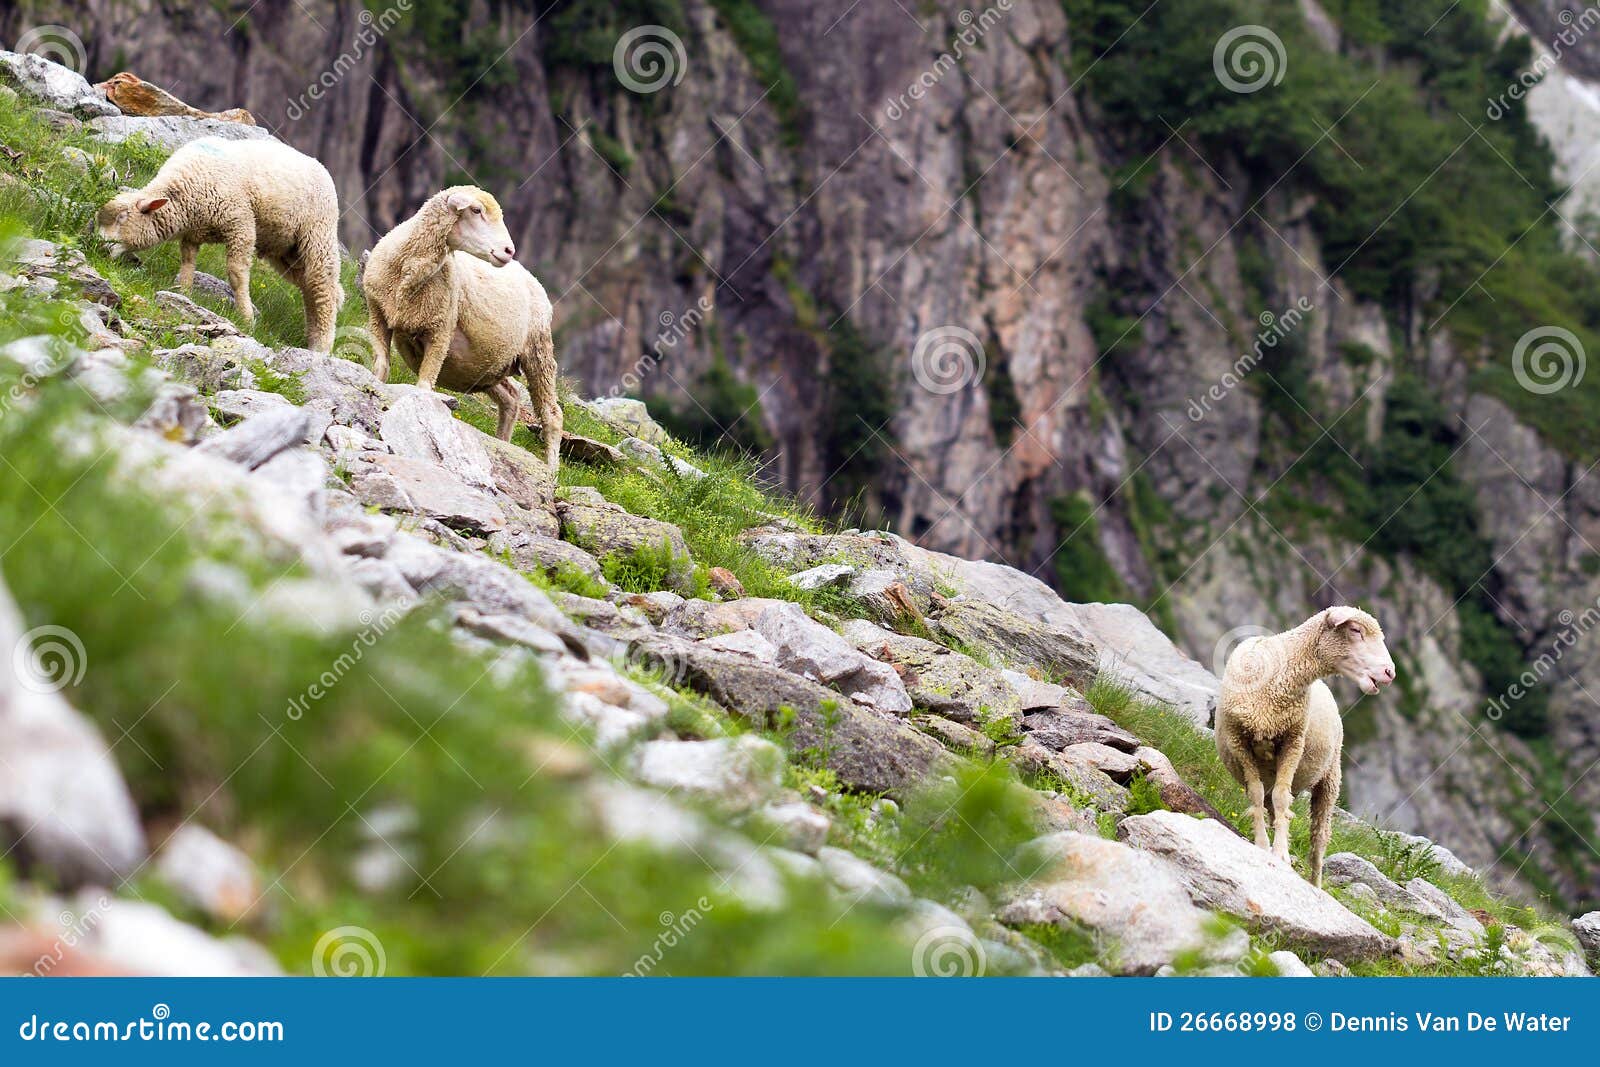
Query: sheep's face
pixel 130 222
pixel 1351 641
pixel 480 228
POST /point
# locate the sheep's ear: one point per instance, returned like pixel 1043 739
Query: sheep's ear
pixel 460 201
pixel 1340 616
pixel 146 207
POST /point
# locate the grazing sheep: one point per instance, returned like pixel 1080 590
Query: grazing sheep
pixel 257 198
pixel 442 288
pixel 1277 721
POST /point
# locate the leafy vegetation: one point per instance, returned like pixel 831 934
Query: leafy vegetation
pixel 758 39
pixel 1083 574
pixel 1194 757
pixel 56 199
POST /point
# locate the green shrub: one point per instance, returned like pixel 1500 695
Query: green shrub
pixel 1083 574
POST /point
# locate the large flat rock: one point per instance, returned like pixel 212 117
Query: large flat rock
pixel 1138 906
pixel 1232 875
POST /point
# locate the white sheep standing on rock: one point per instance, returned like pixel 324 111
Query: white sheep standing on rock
pixel 444 289
pixel 1277 720
pixel 256 197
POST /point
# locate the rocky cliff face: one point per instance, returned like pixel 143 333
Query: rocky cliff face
pixel 906 237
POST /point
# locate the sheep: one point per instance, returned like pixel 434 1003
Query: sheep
pixel 444 289
pixel 257 197
pixel 1277 720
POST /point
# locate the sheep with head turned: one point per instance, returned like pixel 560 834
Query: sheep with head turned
pixel 444 290
pixel 257 197
pixel 1278 727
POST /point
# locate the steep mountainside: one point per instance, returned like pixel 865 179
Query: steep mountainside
pixel 1035 283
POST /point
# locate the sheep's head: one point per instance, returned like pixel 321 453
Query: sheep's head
pixel 1350 642
pixel 131 221
pixel 480 228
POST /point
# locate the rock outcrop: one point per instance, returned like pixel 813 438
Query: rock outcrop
pixel 772 739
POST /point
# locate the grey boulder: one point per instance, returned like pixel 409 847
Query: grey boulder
pixel 1231 875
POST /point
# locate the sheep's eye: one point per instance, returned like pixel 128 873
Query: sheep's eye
pixel 477 210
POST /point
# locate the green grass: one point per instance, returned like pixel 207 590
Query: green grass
pixel 461 741
pixel 1194 757
pixel 1193 753
pixel 456 743
pixel 57 202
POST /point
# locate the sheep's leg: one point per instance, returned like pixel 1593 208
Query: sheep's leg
pixel 381 337
pixel 1289 755
pixel 187 252
pixel 539 367
pixel 322 296
pixel 1257 793
pixel 240 252
pixel 1324 795
pixel 435 347
pixel 505 397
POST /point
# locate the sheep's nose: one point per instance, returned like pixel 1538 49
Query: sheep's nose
pixel 1388 673
pixel 510 251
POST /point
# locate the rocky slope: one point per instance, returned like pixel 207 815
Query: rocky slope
pixel 787 215
pixel 776 745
